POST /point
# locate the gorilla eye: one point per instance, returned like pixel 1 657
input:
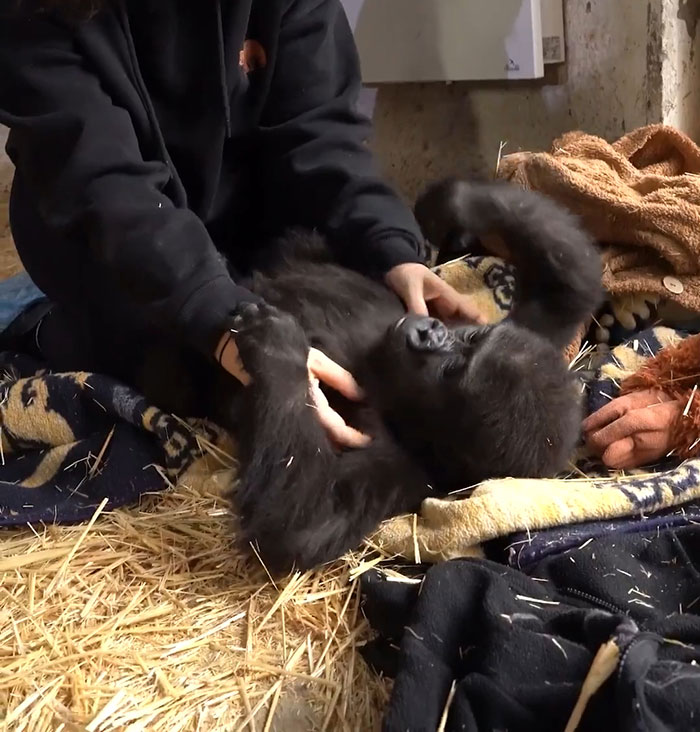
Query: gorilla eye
pixel 452 368
pixel 474 336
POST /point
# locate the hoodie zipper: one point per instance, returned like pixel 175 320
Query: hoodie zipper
pixel 238 17
pixel 180 192
pixel 223 75
pixel 243 10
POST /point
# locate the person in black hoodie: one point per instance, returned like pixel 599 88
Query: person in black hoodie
pixel 151 137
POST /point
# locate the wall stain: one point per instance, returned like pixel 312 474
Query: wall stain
pixel 689 13
pixel 654 52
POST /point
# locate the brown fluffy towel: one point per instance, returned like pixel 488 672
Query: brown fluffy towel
pixel 640 197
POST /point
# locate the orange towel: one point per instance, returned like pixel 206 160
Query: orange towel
pixel 640 197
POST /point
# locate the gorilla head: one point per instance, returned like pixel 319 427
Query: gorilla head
pixel 476 402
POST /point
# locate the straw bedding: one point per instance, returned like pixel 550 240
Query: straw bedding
pixel 148 619
pixel 145 619
pixel 9 262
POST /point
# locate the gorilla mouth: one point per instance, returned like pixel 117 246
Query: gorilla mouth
pixel 424 334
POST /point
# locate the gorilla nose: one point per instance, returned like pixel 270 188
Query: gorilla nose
pixel 426 334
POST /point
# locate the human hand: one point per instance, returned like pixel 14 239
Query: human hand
pixel 633 430
pixel 323 369
pixel 320 369
pixel 420 288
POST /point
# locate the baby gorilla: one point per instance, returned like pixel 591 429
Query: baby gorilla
pixel 446 406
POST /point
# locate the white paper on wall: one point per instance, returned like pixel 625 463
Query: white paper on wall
pixel 448 40
pixel 553 46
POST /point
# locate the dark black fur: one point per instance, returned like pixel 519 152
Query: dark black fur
pixel 438 210
pixel 446 408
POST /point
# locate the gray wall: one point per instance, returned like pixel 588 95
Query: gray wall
pixel 629 63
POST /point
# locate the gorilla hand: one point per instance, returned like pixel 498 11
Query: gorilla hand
pixel 273 346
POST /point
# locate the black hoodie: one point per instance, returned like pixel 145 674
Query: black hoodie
pixel 159 134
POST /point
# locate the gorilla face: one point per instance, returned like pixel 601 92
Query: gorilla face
pixel 476 402
pixel 430 335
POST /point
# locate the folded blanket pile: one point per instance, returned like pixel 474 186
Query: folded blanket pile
pixel 68 441
pixel 603 637
pixel 640 198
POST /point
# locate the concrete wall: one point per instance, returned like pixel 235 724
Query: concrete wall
pixel 612 82
pixel 3 140
pixel 681 65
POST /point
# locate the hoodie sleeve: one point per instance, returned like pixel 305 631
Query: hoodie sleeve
pixel 79 158
pixel 318 165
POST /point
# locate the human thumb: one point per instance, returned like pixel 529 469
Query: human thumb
pixel 414 299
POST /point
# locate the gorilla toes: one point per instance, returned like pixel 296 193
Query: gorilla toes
pixel 248 313
pixel 269 339
pixel 261 318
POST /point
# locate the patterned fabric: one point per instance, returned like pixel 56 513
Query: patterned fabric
pixel 489 281
pixel 524 551
pixel 71 440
